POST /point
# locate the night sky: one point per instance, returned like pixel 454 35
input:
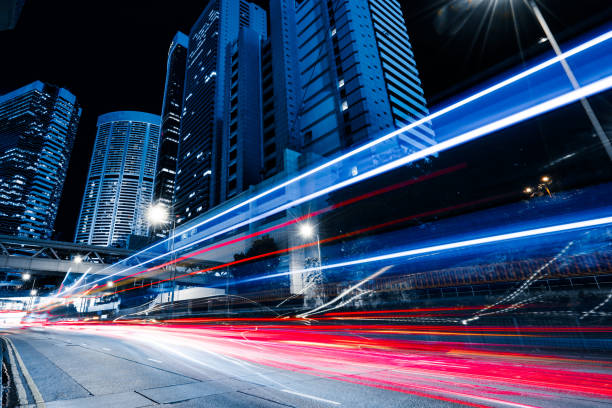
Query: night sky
pixel 112 54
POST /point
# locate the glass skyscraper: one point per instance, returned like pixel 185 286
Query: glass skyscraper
pixel 119 186
pixel 201 134
pixel 38 125
pixel 281 92
pixel 241 149
pixel 358 75
pixel 171 121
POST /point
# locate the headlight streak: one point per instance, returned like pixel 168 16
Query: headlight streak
pixel 552 104
pixel 324 241
pixel 524 286
pixel 311 244
pixel 402 254
pixel 300 219
pixel 345 292
pixel 454 245
pixel 469 374
pixel 578 94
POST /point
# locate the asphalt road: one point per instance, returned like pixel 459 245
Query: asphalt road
pixel 85 370
pixel 141 367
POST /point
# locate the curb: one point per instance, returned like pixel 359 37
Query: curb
pixel 17 365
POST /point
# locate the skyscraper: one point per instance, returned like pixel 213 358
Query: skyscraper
pixel 38 124
pixel 358 75
pixel 204 101
pixel 241 148
pixel 281 91
pixel 119 186
pixel 171 120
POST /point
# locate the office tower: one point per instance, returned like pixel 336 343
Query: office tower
pixel 119 186
pixel 38 124
pixel 241 149
pixel 281 91
pixel 358 75
pixel 201 135
pixel 170 122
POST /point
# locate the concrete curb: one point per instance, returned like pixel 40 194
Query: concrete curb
pixel 17 365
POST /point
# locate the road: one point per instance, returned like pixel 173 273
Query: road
pixel 190 366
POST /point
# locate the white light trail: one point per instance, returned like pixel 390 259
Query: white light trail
pixel 554 103
pixel 576 50
pixel 597 222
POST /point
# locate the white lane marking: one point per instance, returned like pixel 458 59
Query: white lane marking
pixel 154 360
pixel 311 397
pixel 106 349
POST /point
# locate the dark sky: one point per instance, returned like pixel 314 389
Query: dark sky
pixel 112 54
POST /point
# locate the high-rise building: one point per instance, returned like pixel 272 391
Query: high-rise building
pixel 358 75
pixel 171 121
pixel 203 113
pixel 281 91
pixel 241 149
pixel 38 125
pixel 119 186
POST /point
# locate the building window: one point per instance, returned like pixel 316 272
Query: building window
pixel 344 105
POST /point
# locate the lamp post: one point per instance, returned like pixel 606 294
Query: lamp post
pixel 157 215
pixel 307 231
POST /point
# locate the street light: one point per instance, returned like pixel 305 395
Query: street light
pixel 157 214
pixel 33 292
pixel 26 276
pixel 110 284
pixel 306 230
pixel 78 259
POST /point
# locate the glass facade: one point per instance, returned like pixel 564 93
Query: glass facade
pixel 38 124
pixel 171 121
pixel 241 160
pixel 119 186
pixel 197 186
pixel 358 75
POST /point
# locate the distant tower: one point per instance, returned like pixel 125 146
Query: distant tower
pixel 199 164
pixel 171 122
pixel 359 77
pixel 120 182
pixel 38 124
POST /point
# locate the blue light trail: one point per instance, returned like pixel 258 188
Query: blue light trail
pixel 551 104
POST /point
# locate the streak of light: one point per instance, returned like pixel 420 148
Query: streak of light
pixel 323 241
pixel 346 291
pixel 472 374
pixel 547 106
pixel 454 245
pixel 579 93
pixel 344 203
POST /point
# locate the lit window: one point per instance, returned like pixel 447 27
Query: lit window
pixel 341 83
pixel 344 105
pixel 333 32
